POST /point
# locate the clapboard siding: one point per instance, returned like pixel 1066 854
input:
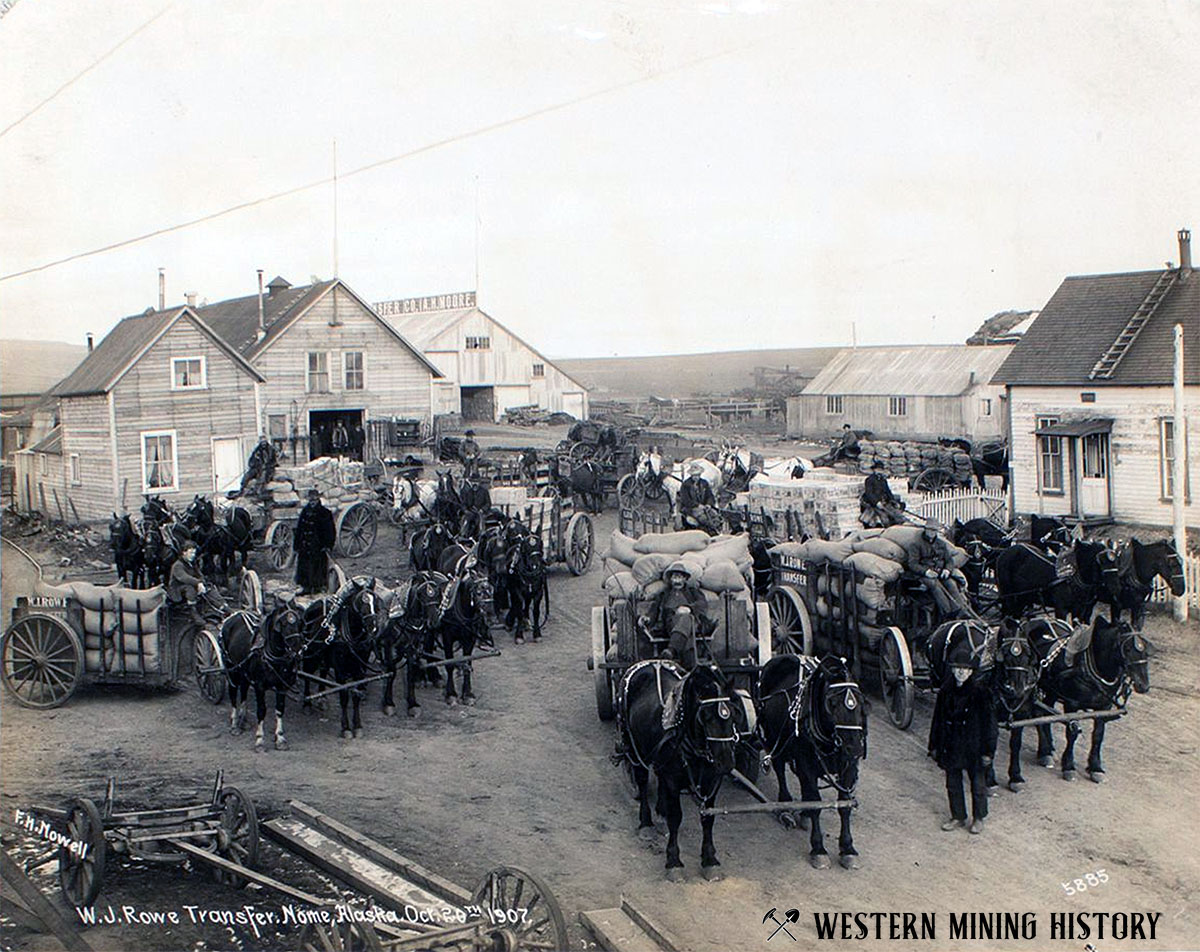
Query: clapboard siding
pixel 39 484
pixel 86 432
pixel 397 383
pixel 928 417
pixel 1135 474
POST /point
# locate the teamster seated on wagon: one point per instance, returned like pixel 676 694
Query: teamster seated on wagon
pixel 933 563
pixel 878 505
pixel 677 624
pixel 697 504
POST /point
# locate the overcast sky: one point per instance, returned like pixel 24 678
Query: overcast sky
pixel 650 177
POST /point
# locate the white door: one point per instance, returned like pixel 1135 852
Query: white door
pixel 573 404
pixel 1093 475
pixel 227 463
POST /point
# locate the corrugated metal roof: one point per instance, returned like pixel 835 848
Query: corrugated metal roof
pixel 938 370
pixel 104 365
pixel 1084 317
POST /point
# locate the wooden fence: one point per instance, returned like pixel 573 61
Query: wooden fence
pixel 1161 594
pixel 962 504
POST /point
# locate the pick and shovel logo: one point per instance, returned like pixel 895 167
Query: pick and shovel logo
pixel 788 917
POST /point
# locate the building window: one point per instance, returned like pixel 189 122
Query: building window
pixel 277 426
pixel 1050 460
pixel 539 370
pixel 318 372
pixel 897 406
pixel 985 406
pixel 833 405
pixel 1088 396
pixel 73 466
pixel 479 343
pixel 1094 448
pixel 41 464
pixel 354 363
pixel 159 468
pixel 188 373
pixel 1166 460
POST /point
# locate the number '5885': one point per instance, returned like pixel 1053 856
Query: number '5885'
pixel 1091 880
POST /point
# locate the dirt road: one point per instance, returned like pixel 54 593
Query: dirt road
pixel 525 778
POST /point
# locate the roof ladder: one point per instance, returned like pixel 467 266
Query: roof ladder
pixel 1112 357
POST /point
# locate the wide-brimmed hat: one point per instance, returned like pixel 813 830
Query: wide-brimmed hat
pixel 678 567
pixel 314 493
pixel 933 525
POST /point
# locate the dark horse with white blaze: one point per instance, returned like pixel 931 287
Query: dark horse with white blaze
pixel 1138 564
pixel 426 546
pixel 1027 577
pixel 261 652
pixel 1088 668
pixel 684 726
pixel 813 718
pixel 526 592
pixel 409 636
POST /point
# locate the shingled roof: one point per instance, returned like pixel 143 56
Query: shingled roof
pixel 1083 319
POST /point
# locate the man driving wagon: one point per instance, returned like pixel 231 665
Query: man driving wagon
pixel 933 563
pixel 879 506
pixel 677 624
pixel 260 467
pixel 697 504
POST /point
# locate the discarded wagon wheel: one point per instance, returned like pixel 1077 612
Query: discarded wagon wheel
pixel 42 661
pixel 281 541
pixel 581 538
pixel 933 479
pixel 81 874
pixel 896 678
pixel 356 528
pixel 339 936
pixel 210 667
pixel 507 894
pixel 237 836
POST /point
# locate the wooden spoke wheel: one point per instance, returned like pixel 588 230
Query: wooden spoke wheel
pixel 896 677
pixel 42 661
pixel 581 543
pixel 507 894
pixel 631 492
pixel 81 876
pixel 250 594
pixel 356 528
pixel 344 936
pixel 210 666
pixel 580 452
pixel 237 838
pixel 602 678
pixel 933 479
pixel 281 540
pixel 791 625
pixel 654 489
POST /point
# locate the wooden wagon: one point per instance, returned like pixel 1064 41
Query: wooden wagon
pixel 357 525
pixel 568 537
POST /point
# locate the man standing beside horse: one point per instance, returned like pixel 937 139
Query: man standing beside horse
pixel 315 536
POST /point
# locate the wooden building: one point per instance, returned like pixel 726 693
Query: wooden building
pixel 1090 400
pixel 904 393
pixel 486 368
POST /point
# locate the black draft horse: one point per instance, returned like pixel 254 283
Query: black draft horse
pixel 464 607
pixel 127 551
pixel 983 542
pixel 691 749
pixel 426 546
pixel 1092 668
pixel 1138 564
pixel 261 652
pixel 220 544
pixel 350 654
pixel 526 591
pixel 813 718
pixel 409 637
pixel 1027 577
pixel 162 540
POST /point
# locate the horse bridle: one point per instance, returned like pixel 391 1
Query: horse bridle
pixel 1010 647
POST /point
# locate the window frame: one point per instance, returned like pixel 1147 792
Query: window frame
pixel 277 416
pixel 477 342
pixel 74 469
pixel 985 406
pixel 537 371
pixel 834 404
pixel 203 361
pixel 897 402
pixel 144 435
pixel 43 465
pixel 1164 462
pixel 1043 452
pixel 309 373
pixel 361 371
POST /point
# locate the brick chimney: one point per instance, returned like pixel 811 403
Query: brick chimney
pixel 1185 253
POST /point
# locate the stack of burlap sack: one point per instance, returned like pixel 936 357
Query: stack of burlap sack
pixel 123 623
pixel 911 458
pixel 340 482
pixel 878 557
pixel 719 565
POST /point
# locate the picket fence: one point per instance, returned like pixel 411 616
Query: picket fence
pixel 1191 572
pixel 946 505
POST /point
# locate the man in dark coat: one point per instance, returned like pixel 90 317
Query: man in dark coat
pixel 469 452
pixel 315 536
pixel 933 562
pixel 697 504
pixel 675 613
pixel 340 439
pixel 260 468
pixel 962 738
pixel 878 505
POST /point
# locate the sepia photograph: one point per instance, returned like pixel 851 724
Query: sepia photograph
pixel 632 475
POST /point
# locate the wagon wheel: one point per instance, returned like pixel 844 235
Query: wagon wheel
pixel 631 492
pixel 654 489
pixel 581 542
pixel 82 876
pixel 896 677
pixel 356 528
pixel 933 479
pixel 250 594
pixel 791 624
pixel 336 578
pixel 210 666
pixel 42 660
pixel 602 678
pixel 507 892
pixel 580 452
pixel 343 936
pixel 281 541
pixel 562 447
pixel 237 838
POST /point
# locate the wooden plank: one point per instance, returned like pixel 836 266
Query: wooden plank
pixel 381 854
pixel 652 929
pixel 617 932
pixel 255 876
pixel 40 907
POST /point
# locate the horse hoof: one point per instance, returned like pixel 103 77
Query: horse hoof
pixel 358 732
pixel 674 874
pixel 647 834
pixel 281 744
pixel 347 735
pixel 259 746
pixel 1068 775
pixel 389 710
pixel 850 861
pixel 1096 776
pixel 414 710
pixel 1016 785
pixel 819 861
pixel 469 700
pixel 1045 761
pixel 235 731
pixel 518 640
pixel 452 701
pixel 712 873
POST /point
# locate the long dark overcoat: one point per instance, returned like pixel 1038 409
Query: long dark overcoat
pixel 315 535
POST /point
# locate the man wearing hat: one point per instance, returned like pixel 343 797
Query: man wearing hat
pixel 677 613
pixel 469 453
pixel 260 467
pixel 933 562
pixel 697 504
pixel 184 585
pixel 962 738
pixel 878 505
pixel 315 536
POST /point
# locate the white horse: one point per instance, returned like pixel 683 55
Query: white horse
pixel 783 467
pixel 413 499
pixel 673 475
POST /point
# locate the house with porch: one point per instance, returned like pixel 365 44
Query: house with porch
pixel 1090 401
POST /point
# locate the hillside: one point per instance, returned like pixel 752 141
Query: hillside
pixel 686 375
pixel 32 366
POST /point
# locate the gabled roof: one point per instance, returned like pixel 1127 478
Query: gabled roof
pixel 236 320
pixel 50 443
pixel 1085 316
pixel 923 371
pixel 124 346
pixel 425 327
